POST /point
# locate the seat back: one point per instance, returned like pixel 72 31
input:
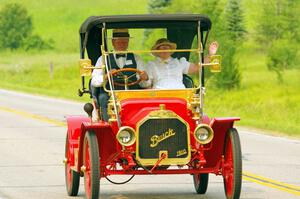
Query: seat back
pixel 188 81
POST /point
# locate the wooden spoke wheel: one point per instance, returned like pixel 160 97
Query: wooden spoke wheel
pixel 92 166
pixel 232 169
pixel 200 182
pixel 72 177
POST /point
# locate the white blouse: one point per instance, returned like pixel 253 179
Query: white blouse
pixel 167 74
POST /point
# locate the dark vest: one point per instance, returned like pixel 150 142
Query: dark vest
pixel 113 65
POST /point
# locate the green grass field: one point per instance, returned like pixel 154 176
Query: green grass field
pixel 260 102
pixel 60 20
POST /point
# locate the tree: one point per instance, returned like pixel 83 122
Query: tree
pixel 278 32
pixel 15 26
pixel 281 56
pixel 231 37
pixel 235 21
pixel 230 76
pixel 155 6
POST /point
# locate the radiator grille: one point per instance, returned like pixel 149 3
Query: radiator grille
pixel 171 135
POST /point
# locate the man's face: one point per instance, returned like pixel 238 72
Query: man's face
pixel 120 44
pixel 164 55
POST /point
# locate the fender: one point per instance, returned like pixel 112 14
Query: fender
pixel 223 123
pixel 74 125
pixel 220 127
pixel 107 143
pixel 73 133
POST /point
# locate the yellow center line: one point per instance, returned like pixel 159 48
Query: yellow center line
pixel 246 175
pixel 33 116
pixel 272 183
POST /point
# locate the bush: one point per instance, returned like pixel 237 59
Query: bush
pixel 281 56
pixel 36 42
pixel 15 26
pixel 230 76
pixel 16 30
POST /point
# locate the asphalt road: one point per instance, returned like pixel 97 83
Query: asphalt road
pixel 32 139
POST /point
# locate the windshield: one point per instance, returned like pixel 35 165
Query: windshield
pixel 152 58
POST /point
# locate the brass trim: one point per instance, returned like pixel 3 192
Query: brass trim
pixel 152 93
pixel 156 139
pixel 83 168
pixel 85 67
pixel 194 106
pixel 215 63
pixel 150 51
pixel 111 112
pixel 129 129
pixel 163 114
pixel 76 155
pixel 209 129
pixel 163 152
pixel 162 107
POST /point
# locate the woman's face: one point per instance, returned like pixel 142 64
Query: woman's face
pixel 164 55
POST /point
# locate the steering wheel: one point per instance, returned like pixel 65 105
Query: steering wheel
pixel 120 71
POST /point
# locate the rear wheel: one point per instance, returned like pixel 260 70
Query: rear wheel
pixel 91 163
pixel 200 182
pixel 232 171
pixel 72 177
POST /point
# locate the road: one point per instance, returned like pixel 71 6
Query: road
pixel 32 138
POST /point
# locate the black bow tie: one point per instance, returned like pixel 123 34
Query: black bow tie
pixel 120 55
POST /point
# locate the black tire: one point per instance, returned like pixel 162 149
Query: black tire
pixel 200 182
pixel 92 173
pixel 233 180
pixel 72 177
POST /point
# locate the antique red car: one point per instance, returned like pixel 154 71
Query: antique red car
pixel 151 131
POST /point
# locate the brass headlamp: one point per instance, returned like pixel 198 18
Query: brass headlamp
pixel 203 134
pixel 126 136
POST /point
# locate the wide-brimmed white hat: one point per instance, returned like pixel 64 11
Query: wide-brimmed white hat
pixel 161 42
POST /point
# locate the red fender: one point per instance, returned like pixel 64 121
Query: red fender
pixel 220 127
pixel 74 131
pixel 107 143
pixel 223 124
pixel 74 125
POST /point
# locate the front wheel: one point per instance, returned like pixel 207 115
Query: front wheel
pixel 200 182
pixel 91 163
pixel 232 170
pixel 72 177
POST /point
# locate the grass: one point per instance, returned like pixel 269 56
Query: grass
pixel 32 74
pixel 60 20
pixel 260 102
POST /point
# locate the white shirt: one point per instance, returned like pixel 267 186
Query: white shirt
pixel 167 74
pixel 97 74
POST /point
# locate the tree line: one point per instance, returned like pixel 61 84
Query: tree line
pixel 16 30
pixel 276 32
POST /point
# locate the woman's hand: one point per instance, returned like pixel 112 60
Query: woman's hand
pixel 213 47
pixel 144 76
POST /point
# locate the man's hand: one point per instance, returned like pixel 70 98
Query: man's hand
pixel 144 76
pixel 113 70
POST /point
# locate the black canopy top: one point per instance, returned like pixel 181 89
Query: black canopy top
pixel 175 24
pixel 145 21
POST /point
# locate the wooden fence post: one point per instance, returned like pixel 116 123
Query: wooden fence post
pixel 51 70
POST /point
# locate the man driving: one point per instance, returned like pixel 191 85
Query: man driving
pixel 120 41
